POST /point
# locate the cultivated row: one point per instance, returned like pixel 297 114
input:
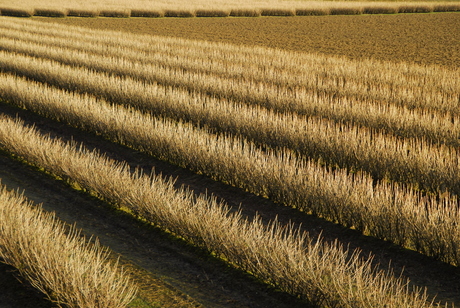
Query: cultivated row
pixel 413 85
pixel 226 9
pixel 412 160
pixel 320 273
pixel 54 258
pixel 383 210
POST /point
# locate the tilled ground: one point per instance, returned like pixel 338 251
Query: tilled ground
pixel 421 38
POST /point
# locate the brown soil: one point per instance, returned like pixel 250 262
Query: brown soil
pixel 419 38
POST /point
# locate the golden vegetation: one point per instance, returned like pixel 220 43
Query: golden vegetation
pixel 322 274
pixel 348 199
pixel 25 8
pixel 341 98
pixel 56 260
pixel 275 123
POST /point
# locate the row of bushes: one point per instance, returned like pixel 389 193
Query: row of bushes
pixel 415 161
pixel 400 84
pixel 153 13
pixel 322 274
pixel 387 211
pixel 56 259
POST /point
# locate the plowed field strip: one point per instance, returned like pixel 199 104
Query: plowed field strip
pixel 419 38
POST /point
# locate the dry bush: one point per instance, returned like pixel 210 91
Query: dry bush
pixel 115 13
pixel 57 260
pixel 212 13
pixel 383 210
pixel 430 88
pixel 245 12
pixel 346 11
pixel 446 7
pixel 179 13
pixel 348 146
pixel 147 13
pixel 312 11
pixel 50 12
pixel 415 9
pixel 320 273
pixel 16 12
pixel 277 12
pixel 82 13
pixel 380 10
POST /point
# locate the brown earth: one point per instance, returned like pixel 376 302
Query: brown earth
pixel 171 273
pixel 421 38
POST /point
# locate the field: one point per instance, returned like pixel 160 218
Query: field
pixel 419 38
pixel 218 8
pixel 271 139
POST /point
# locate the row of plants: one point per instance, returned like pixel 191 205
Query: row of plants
pixel 257 11
pixel 316 100
pixel 55 259
pixel 242 142
pixel 409 85
pixel 387 211
pixel 430 167
pixel 323 274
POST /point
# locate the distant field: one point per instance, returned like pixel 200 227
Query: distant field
pixel 419 38
pixel 218 8
pixel 290 138
pixel 215 4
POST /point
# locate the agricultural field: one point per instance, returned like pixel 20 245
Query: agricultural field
pixel 221 162
pixel 415 38
pixel 217 8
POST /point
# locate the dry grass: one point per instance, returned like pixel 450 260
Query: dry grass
pixel 386 211
pixel 382 155
pixel 245 13
pixel 380 10
pixel 412 86
pixel 212 13
pixel 451 7
pixel 179 13
pixel 57 260
pixel 218 8
pixel 415 9
pixel 115 13
pixel 320 273
pixel 147 13
pixel 346 11
pixel 213 87
pixel 277 12
pixel 312 12
pixel 82 13
pixel 50 13
pixel 16 12
pixel 332 36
